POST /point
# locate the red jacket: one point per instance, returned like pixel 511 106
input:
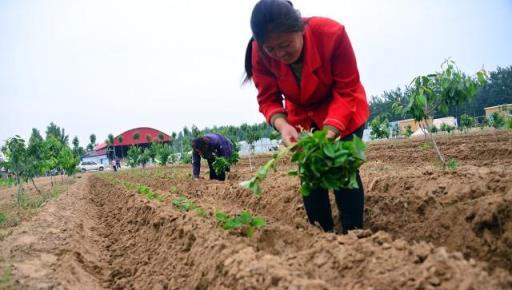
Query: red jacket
pixel 330 92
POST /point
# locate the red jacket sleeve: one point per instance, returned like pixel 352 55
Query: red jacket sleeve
pixel 347 87
pixel 270 98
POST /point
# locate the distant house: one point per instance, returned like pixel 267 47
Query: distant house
pixel 263 145
pixel 504 110
pixel 415 126
pixel 98 156
pixel 450 121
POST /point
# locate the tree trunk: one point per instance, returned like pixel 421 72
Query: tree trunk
pixel 439 154
pixel 35 186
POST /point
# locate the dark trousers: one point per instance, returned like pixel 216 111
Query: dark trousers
pixel 213 174
pixel 350 203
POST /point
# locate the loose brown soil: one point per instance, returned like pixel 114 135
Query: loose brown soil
pixel 425 228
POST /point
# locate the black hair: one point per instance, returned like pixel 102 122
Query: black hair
pixel 200 144
pixel 271 16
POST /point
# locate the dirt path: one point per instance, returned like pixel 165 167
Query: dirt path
pixel 59 248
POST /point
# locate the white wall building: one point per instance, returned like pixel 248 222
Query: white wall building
pixel 263 145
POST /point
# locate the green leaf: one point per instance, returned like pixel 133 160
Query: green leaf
pixel 330 150
pixel 245 217
pixel 221 216
pixel 231 224
pixel 258 222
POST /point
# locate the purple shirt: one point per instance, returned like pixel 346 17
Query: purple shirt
pixel 218 146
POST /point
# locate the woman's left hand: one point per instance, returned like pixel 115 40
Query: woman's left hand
pixel 331 134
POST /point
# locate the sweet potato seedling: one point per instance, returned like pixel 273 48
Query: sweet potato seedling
pixel 243 221
pixel 322 163
pixel 149 194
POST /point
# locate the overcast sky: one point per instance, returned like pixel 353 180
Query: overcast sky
pixel 108 66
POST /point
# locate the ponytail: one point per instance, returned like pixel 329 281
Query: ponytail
pixel 248 62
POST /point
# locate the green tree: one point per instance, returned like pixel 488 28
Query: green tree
pixel 92 139
pixel 497 120
pixel 436 93
pixel 164 151
pixel 17 163
pixel 68 161
pixel 58 133
pixel 467 121
pixel 78 151
pixel 379 127
pixel 145 157
pixel 134 156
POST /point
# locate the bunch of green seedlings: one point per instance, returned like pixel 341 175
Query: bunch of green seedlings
pixel 243 221
pixel 221 164
pixel 322 163
pixel 184 204
pixel 149 194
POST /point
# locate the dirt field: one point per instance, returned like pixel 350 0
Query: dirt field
pixel 425 228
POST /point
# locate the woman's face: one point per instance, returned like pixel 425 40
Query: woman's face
pixel 284 47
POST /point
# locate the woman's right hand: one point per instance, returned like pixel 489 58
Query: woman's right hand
pixel 288 133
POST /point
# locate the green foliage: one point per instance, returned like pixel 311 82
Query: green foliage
pixel 383 104
pixel 466 121
pixel 149 194
pixel 221 164
pixel 408 131
pixel 497 120
pixel 452 164
pixel 437 92
pixel 77 150
pixel 323 163
pixel 379 127
pixel 58 133
pixel 163 152
pixel 8 182
pixel 508 124
pixel 184 204
pixel 92 139
pixel 244 220
pixel 433 129
pixel 446 128
pixel 133 156
pixel 145 157
pixel 186 158
pixel 68 161
pixel 3 218
pixel 426 145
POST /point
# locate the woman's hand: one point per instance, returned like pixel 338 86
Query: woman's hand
pixel 331 134
pixel 288 132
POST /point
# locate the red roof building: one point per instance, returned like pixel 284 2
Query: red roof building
pixel 123 141
pixel 145 133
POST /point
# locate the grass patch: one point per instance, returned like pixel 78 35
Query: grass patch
pixel 6 279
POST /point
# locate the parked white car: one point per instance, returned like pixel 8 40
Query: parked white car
pixel 90 165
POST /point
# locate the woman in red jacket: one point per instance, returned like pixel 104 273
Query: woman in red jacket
pixel 307 78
